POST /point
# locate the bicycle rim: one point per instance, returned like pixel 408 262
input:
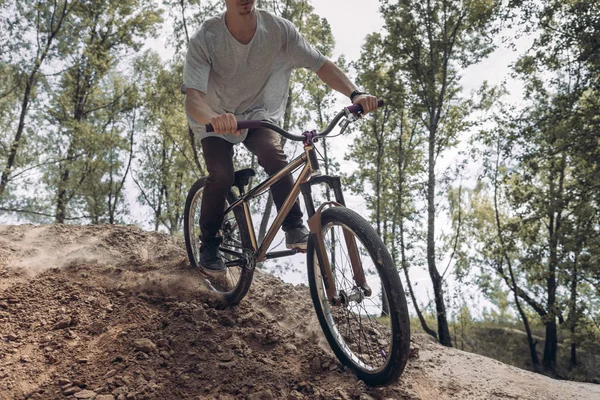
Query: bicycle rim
pixel 368 333
pixel 233 285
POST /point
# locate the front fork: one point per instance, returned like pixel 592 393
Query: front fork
pixel 316 232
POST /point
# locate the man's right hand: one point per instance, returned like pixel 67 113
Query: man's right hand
pixel 224 124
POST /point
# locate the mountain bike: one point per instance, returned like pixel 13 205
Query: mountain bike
pixel 354 285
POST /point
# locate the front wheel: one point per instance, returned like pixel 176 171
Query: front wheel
pixel 231 288
pixel 368 332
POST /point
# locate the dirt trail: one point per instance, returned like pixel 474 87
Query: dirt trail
pixel 115 313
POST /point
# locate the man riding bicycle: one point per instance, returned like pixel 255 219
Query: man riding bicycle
pixel 238 67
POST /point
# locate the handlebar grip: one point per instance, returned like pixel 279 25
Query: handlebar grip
pixel 241 125
pixel 358 108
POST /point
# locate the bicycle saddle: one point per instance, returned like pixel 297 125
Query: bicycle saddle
pixel 242 177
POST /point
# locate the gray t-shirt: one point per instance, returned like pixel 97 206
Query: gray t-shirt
pixel 250 80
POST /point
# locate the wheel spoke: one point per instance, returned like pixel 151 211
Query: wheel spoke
pixel 231 231
pixel 354 324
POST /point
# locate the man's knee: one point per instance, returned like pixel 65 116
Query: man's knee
pixel 271 155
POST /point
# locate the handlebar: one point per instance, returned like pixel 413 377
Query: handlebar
pixel 253 124
pixel 357 108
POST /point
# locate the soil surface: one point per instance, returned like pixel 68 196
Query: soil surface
pixel 116 313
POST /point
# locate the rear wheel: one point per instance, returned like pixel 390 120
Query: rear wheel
pixel 368 332
pixel 234 284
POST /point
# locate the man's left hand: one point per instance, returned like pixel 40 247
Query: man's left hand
pixel 368 102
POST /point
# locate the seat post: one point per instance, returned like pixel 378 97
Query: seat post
pixel 241 188
pixel 242 178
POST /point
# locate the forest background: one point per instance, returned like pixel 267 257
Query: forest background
pixel 489 189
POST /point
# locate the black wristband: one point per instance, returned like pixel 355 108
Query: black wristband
pixel 355 93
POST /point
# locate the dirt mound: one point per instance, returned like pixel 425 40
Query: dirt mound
pixel 113 312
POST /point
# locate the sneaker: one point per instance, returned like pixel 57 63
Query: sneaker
pixel 210 259
pixel 296 238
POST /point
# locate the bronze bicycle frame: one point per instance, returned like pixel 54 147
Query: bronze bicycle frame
pixel 303 184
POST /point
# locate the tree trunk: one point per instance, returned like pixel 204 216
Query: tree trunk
pixel 424 325
pixel 573 312
pixel 554 226
pixel 402 164
pixel 17 139
pixel 438 291
pixel 62 198
pixel 551 345
pixel 531 343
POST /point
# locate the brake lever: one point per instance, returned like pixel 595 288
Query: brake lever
pixel 350 118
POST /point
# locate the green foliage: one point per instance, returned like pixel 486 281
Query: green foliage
pixel 416 68
pixel 544 173
pixel 88 107
pixel 166 168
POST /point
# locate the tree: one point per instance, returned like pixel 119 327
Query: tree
pixel 46 21
pixel 431 41
pixel 84 108
pixel 165 173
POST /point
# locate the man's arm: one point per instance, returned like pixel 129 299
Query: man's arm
pixel 336 79
pixel 199 110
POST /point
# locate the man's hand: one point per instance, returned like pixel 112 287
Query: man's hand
pixel 224 124
pixel 368 102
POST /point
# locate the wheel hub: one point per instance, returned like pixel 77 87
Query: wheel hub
pixel 355 295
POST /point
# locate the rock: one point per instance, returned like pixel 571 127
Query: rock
pixel 110 373
pixel 80 383
pixel 295 395
pixel 290 347
pixel 105 397
pixel 11 337
pixel 315 363
pixel 144 345
pixel 65 322
pixel 164 354
pixel 163 343
pixel 82 360
pixel 64 381
pixel 198 314
pixel 70 334
pixel 227 356
pixel 71 390
pixel 342 394
pixel 262 395
pixel 413 352
pixel 365 396
pixel 121 391
pixel 85 394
